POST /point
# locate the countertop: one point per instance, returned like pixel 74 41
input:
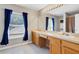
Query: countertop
pixel 60 35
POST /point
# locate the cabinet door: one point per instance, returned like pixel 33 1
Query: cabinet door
pixel 55 47
pixel 69 48
pixel 35 38
pixel 66 50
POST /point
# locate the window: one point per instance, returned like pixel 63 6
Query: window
pixel 50 25
pixel 16 26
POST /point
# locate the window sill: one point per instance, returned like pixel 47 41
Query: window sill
pixel 16 36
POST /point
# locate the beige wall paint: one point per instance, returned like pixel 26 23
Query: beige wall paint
pixel 32 22
pixel 41 22
pixel 57 23
pixel 32 18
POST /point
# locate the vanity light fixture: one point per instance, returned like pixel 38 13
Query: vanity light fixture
pixel 58 5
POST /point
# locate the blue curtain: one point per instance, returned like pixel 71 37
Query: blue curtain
pixel 47 22
pixel 7 15
pixel 26 26
pixel 53 23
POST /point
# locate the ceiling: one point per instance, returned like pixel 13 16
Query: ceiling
pixel 35 7
pixel 66 8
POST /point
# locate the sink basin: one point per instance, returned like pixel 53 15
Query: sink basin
pixel 68 36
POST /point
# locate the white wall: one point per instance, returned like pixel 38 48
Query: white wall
pixel 64 23
pixel 32 18
pixel 77 23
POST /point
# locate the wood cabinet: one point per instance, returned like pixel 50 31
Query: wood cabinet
pixel 38 40
pixel 69 48
pixel 54 46
pixel 35 38
pixel 59 46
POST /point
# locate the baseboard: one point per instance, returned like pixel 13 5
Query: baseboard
pixel 15 45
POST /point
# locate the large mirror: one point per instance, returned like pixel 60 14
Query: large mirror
pixel 70 17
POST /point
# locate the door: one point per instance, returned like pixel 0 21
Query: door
pixel 70 24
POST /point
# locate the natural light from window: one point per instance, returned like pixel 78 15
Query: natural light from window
pixel 50 25
pixel 16 26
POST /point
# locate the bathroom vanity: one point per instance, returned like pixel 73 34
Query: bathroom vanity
pixel 57 42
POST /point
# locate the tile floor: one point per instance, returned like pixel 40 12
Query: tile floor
pixel 25 49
